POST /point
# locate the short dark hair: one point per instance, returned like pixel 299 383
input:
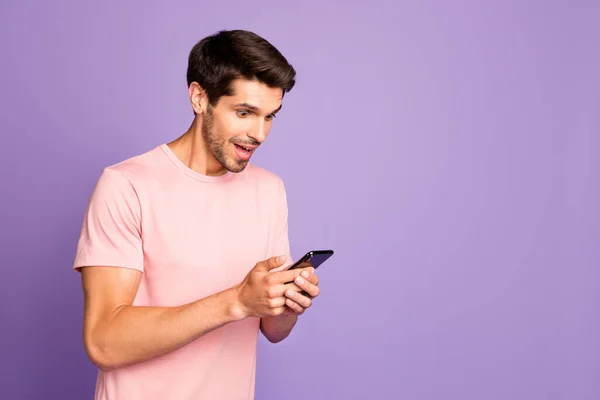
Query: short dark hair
pixel 215 61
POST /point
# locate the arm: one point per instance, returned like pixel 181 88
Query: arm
pixel 118 334
pixel 275 329
pixel 115 332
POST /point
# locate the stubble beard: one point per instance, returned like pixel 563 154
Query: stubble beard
pixel 218 146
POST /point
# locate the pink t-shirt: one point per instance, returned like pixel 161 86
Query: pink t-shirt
pixel 191 235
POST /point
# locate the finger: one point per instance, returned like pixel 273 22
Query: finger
pixel 312 278
pixel 277 302
pixel 279 290
pixel 295 307
pixel 278 311
pixel 309 287
pixel 287 276
pixel 298 298
pixel 270 263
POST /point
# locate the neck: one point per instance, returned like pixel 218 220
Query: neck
pixel 194 152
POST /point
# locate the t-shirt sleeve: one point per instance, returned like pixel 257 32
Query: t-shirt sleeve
pixel 280 242
pixel 111 231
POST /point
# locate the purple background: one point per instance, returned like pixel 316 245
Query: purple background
pixel 449 153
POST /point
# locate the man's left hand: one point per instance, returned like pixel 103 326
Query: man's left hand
pixel 300 295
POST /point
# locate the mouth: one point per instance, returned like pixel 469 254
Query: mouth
pixel 244 152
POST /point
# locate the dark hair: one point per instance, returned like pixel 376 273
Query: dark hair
pixel 215 61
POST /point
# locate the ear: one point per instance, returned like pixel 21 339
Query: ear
pixel 198 98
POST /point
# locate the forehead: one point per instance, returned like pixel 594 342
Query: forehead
pixel 255 93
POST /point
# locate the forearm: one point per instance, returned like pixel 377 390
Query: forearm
pixel 278 327
pixel 134 334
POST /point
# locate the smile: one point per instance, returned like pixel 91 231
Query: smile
pixel 244 152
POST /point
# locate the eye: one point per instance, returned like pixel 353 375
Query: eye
pixel 243 113
pixel 270 117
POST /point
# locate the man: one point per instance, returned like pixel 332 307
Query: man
pixel 184 249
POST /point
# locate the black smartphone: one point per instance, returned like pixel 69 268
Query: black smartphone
pixel 313 259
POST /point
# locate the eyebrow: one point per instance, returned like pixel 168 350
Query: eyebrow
pixel 256 109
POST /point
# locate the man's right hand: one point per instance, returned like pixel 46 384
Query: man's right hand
pixel 262 292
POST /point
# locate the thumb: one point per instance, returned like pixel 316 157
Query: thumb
pixel 271 263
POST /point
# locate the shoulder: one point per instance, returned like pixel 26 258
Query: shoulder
pixel 266 179
pixel 263 175
pixel 121 182
pixel 271 191
pixel 137 167
pixel 133 171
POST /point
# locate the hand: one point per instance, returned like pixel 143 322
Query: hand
pixel 299 297
pixel 262 292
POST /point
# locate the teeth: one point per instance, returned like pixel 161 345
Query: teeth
pixel 244 148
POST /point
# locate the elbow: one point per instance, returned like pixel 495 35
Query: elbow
pixel 275 330
pixel 100 356
pixel 273 337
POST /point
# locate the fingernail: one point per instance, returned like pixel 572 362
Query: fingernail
pixel 290 293
pixel 304 274
pixel 312 270
pixel 299 280
pixel 281 259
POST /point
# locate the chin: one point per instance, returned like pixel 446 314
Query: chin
pixel 236 166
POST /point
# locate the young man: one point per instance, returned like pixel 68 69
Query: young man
pixel 179 247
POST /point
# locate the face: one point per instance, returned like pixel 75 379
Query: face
pixel 238 124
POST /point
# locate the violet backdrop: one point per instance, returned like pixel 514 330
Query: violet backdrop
pixel 447 151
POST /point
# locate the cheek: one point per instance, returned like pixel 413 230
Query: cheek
pixel 234 127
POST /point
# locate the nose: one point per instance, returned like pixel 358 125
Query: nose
pixel 260 131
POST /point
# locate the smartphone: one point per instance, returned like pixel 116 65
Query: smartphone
pixel 313 259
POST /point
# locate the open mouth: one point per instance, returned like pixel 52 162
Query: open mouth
pixel 244 152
